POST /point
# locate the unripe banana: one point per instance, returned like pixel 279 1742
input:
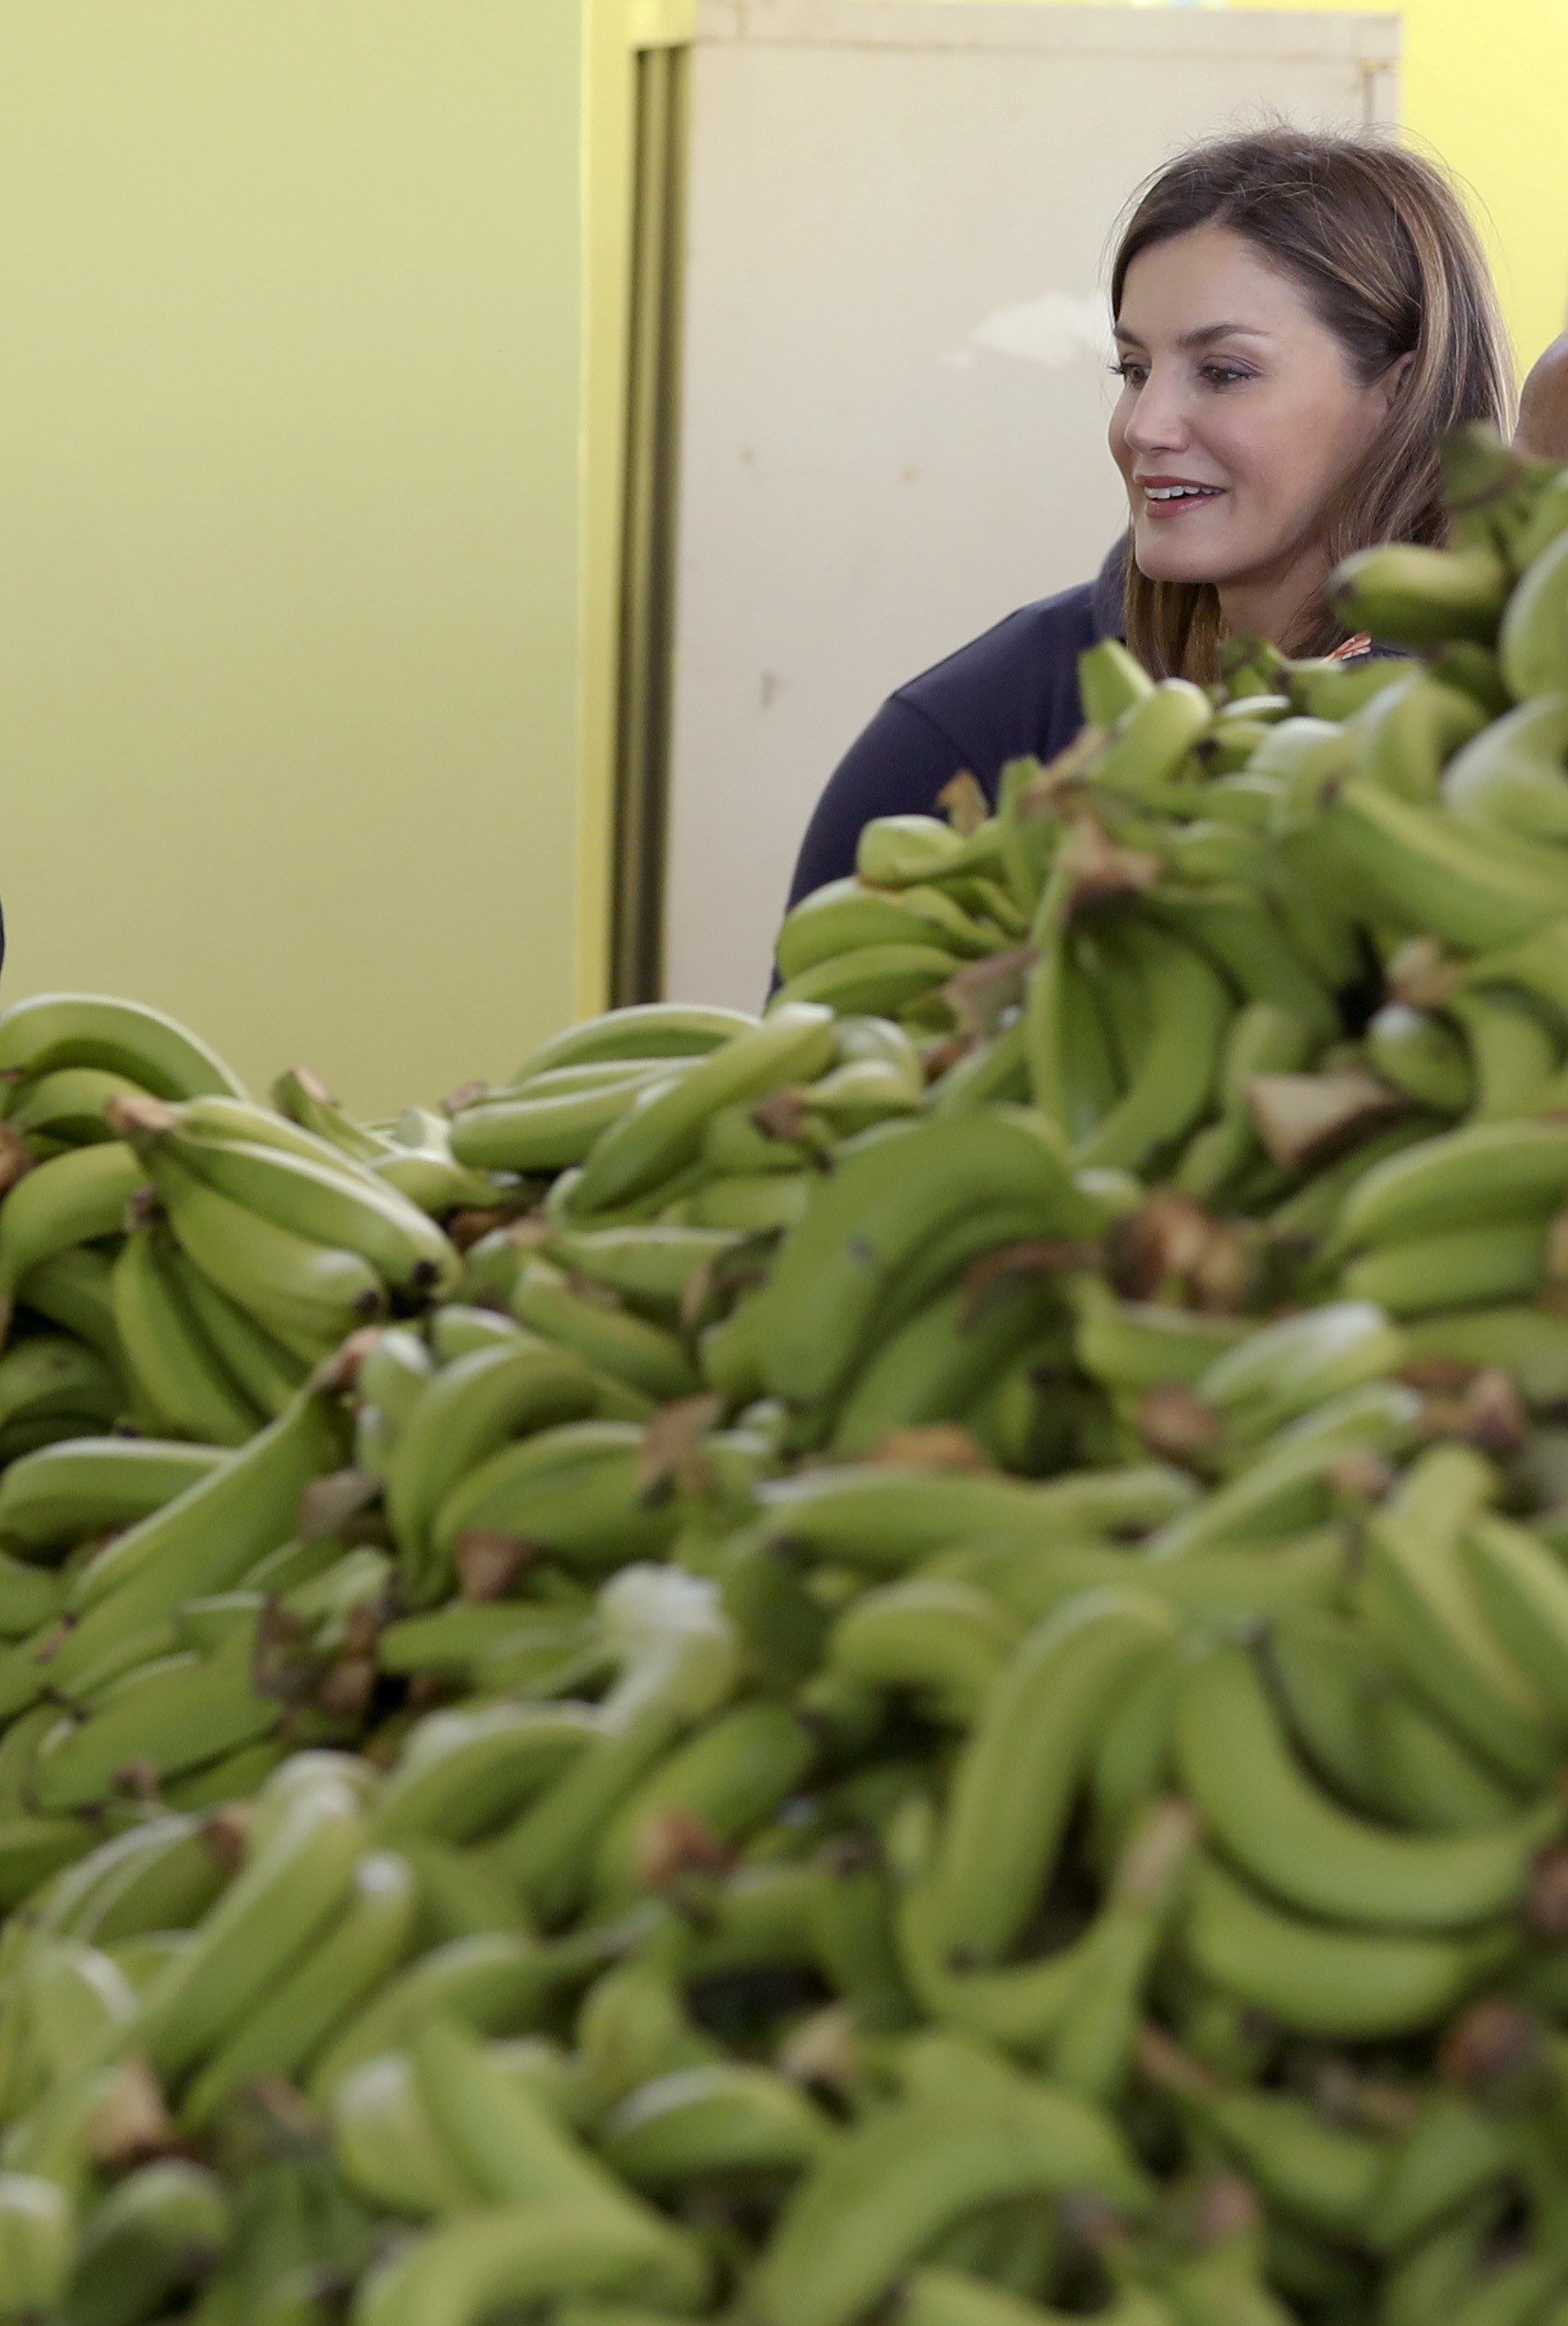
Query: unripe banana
pixel 1291 1838
pixel 1413 596
pixel 1319 1979
pixel 648 1030
pixel 862 2216
pixel 75 1198
pixel 1533 641
pixel 156 2237
pixel 275 1909
pixel 348 1963
pixel 1017 1775
pixel 1418 1597
pixel 36 2244
pixel 932 1636
pixel 662 1131
pixel 89 1029
pixel 176 1368
pixel 722 2118
pixel 1111 682
pixel 883 1202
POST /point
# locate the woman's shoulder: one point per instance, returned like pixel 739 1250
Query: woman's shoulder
pixel 1006 689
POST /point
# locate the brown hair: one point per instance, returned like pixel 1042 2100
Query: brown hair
pixel 1379 240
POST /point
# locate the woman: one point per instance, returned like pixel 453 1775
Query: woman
pixel 1299 319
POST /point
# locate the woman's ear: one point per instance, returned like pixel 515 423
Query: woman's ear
pixel 1394 379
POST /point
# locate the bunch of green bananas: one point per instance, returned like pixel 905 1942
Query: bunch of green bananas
pixel 907 1655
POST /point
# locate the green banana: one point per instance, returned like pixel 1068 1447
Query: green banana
pixel 886 1518
pixel 493 1981
pixel 73 1290
pixel 541 1129
pixel 1476 1175
pixel 933 1636
pixel 1450 2156
pixel 289 1890
pixel 206 1538
pixel 1532 642
pixel 1521 1590
pixel 846 916
pixel 51 1374
pixel 68 1104
pixel 1018 1771
pixel 714 2117
pixel 1278 1827
pixel 1151 740
pixel 1290 1369
pixel 1111 681
pixel 307 1296
pixel 1091 2048
pixel 1320 1980
pixel 466 1412
pixel 653 1265
pixel 385 2146
pixel 1418 1597
pixel 864 2213
pixel 933 1366
pixel 455 1330
pixel 885 978
pixel 1188 1009
pixel 1422 1056
pixel 1411 731
pixel 662 1131
pixel 280 2037
pixel 266 1374
pixel 1514 1050
pixel 304 1098
pixel 458 2275
pixel 1411 596
pixel 725 1781
pixel 156 2237
pixel 645 1356
pixel 576 1490
pixel 885 1199
pixel 178 1372
pixel 328 1201
pixel 1512 775
pixel 89 1029
pixel 1468 884
pixel 74 1198
pixel 462 1772
pixel 647 1029
pixel 1452 1268
pixel 171 1713
pixel 160 1875
pixel 37 2243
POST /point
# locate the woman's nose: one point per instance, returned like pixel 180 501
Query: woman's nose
pixel 1157 417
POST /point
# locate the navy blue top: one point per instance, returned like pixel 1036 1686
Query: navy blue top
pixel 1011 691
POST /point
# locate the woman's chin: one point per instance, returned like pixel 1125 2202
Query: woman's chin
pixel 1174 561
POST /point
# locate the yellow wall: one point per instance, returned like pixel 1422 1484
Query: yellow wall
pixel 289 471
pixel 310 472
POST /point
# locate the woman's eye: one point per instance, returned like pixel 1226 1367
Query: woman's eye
pixel 1222 375
pixel 1126 369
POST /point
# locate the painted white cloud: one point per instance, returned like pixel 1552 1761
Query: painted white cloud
pixel 1051 330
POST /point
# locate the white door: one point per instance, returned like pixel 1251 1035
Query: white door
pixel 893 360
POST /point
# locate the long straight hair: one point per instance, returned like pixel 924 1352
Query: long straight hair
pixel 1379 240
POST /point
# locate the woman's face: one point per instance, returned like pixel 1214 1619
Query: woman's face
pixel 1231 383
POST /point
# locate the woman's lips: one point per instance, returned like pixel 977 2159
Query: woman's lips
pixel 1183 505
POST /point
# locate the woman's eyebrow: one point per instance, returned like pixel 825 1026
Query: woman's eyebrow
pixel 1199 338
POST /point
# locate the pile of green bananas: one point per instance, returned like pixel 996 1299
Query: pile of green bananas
pixel 906 1659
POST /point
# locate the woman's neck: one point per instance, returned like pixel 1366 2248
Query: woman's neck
pixel 1273 602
